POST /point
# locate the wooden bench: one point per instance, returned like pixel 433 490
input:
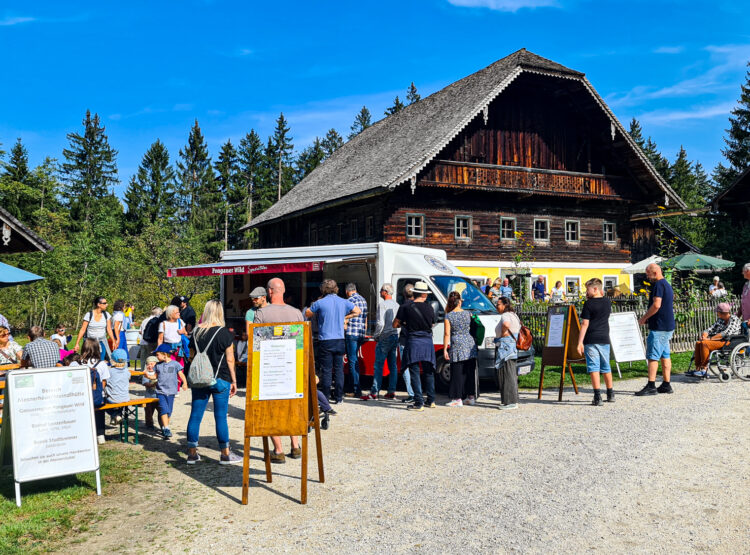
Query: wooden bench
pixel 2 396
pixel 130 409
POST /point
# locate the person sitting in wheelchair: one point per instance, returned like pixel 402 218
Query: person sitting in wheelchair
pixel 717 336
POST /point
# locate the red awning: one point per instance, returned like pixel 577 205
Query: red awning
pixel 241 269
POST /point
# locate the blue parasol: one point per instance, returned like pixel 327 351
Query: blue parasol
pixel 10 275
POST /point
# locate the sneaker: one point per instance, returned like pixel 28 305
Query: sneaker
pixel 231 458
pixel 430 404
pixel 665 387
pixel 470 400
pixel 512 406
pixel 408 400
pixel 349 395
pixel 597 402
pixel 455 403
pixel 150 426
pixel 101 439
pixel 295 453
pixel 610 397
pixel 336 401
pixel 390 396
pixel 369 396
pixel 112 420
pixel 166 432
pixel 331 412
pixel 192 459
pixel 697 374
pixel 415 408
pixel 118 418
pixel 647 390
pixel 279 458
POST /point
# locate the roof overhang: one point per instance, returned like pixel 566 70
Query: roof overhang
pixel 16 237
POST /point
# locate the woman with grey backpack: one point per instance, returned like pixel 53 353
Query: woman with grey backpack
pixel 213 353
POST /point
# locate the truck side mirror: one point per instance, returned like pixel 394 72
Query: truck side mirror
pixel 438 310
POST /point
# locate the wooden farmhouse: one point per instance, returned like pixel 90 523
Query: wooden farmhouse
pixel 521 153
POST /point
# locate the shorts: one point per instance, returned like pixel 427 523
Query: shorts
pixel 597 358
pixel 657 344
pixel 166 402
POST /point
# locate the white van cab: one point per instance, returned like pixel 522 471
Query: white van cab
pixel 369 266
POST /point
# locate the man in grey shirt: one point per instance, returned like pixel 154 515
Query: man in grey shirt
pixel 387 344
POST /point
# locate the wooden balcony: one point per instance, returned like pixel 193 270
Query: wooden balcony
pixel 531 180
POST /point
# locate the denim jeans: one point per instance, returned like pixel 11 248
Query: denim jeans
pixel 405 373
pixel 429 382
pixel 385 350
pixel 220 393
pixel 353 343
pixel 332 363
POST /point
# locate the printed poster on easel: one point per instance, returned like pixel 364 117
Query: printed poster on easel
pixel 282 397
pixel 48 425
pixel 560 344
pixel 626 338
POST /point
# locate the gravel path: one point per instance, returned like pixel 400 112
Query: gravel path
pixel 659 474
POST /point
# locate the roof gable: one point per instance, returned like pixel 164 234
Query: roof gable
pixel 395 149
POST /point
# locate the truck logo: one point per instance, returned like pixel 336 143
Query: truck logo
pixel 438 264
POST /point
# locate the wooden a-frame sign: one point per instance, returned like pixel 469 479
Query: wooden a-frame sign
pixel 561 344
pixel 270 413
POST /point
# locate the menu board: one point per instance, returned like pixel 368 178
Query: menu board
pixel 556 330
pixel 52 422
pixel 277 360
pixel 625 337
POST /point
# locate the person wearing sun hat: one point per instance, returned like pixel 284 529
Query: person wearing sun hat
pixel 715 337
pixel 418 319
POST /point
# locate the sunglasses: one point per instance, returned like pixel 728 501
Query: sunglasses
pixel 103 302
pixel 4 334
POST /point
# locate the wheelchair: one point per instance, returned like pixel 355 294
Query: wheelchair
pixel 720 361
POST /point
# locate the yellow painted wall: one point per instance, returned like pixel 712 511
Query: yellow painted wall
pixel 555 274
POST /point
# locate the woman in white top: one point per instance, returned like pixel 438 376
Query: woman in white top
pixel 170 332
pixel 506 335
pixel 97 324
pixel 558 293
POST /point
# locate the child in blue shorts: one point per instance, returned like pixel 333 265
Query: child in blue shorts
pixel 593 341
pixel 167 386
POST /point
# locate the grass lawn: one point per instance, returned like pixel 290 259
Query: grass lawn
pixel 54 510
pixel 680 363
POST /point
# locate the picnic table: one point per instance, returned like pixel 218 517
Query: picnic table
pixel 130 409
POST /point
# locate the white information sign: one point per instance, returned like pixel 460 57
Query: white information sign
pixel 52 423
pixel 556 329
pixel 625 337
pixel 278 370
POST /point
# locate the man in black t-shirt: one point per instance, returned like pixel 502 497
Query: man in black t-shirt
pixel 593 341
pixel 417 319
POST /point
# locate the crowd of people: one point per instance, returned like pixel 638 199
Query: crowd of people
pixel 172 336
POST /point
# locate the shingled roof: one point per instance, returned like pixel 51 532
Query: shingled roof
pixel 395 149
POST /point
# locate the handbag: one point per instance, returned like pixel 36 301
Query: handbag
pixel 477 329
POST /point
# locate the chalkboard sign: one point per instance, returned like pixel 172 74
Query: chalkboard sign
pixel 282 394
pixel 560 344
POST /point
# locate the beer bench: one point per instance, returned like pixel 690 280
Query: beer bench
pixel 2 396
pixel 131 409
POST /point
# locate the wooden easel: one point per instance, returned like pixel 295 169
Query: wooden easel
pixel 283 417
pixel 561 356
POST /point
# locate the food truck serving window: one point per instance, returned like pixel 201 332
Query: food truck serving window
pixel 472 298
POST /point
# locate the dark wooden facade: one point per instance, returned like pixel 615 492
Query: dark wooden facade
pixel 544 153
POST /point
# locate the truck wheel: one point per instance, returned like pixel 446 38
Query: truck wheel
pixel 443 375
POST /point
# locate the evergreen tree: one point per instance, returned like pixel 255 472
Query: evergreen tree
pixel 703 184
pixel 194 173
pixel 412 95
pixel 229 183
pixel 636 132
pixel 397 107
pixel 309 159
pixel 89 170
pixel 150 193
pixel 361 122
pixel 19 194
pixel 649 148
pixel 682 178
pixel 253 172
pixel 331 142
pixel 266 191
pixel 280 160
pixel 737 151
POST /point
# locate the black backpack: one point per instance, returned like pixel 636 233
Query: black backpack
pixel 96 387
pixel 151 331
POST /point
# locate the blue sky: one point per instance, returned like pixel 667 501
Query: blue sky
pixel 150 68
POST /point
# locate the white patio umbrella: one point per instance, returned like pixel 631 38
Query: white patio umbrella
pixel 640 267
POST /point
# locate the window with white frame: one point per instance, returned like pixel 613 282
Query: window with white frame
pixel 541 230
pixel 572 231
pixel 370 226
pixel 463 227
pixel 572 285
pixel 609 282
pixel 353 231
pixel 507 229
pixel 415 225
pixel 608 232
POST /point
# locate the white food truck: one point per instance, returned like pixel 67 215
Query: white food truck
pixel 368 265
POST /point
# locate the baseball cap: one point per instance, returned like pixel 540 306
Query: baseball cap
pixel 258 292
pixel 178 300
pixel 119 355
pixel 151 359
pixel 723 307
pixel 163 348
